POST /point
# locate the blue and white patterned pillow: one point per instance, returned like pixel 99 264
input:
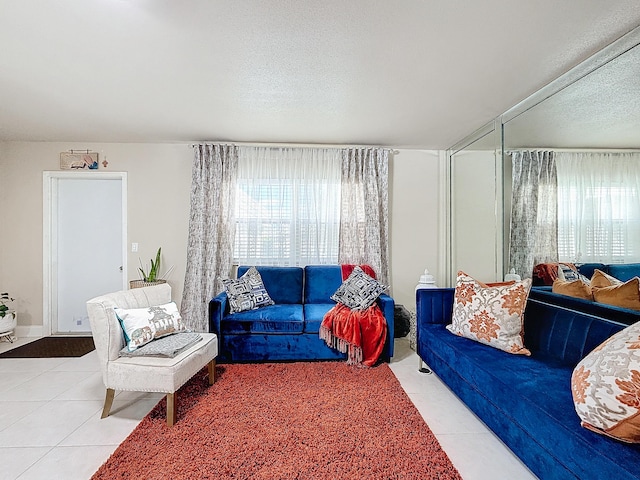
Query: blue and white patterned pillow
pixel 142 325
pixel 247 293
pixel 358 291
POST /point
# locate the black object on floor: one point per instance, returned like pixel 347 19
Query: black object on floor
pixel 401 320
pixel 49 347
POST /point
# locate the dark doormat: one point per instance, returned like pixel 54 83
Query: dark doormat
pixel 49 347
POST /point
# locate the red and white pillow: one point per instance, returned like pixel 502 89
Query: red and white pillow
pixel 606 386
pixel 491 314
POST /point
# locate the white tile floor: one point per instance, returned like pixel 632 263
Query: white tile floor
pixel 50 426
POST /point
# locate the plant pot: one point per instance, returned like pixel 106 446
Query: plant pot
pixel 142 283
pixel 8 322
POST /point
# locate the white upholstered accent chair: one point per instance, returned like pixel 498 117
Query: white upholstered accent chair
pixel 144 374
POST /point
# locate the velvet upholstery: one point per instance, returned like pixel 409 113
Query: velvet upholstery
pixel 284 284
pixel 610 312
pixel 527 401
pixel 289 329
pixel 621 271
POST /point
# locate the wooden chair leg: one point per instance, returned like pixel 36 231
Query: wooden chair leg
pixel 108 401
pixel 171 409
pixel 212 372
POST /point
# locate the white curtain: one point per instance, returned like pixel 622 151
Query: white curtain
pixel 364 237
pixel 534 219
pixel 599 206
pixel 211 226
pixel 287 206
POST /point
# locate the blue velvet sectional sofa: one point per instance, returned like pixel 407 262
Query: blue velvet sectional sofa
pixel 289 329
pixel 527 401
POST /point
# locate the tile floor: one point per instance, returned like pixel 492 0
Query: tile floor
pixel 50 425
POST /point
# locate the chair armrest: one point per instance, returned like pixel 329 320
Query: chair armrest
pixel 387 305
pixel 218 306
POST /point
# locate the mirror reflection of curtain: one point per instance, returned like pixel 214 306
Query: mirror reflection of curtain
pixel 534 220
pixel 599 206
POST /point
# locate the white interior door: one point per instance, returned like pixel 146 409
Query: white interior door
pixel 87 246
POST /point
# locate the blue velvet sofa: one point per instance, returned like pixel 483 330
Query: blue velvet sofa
pixel 527 401
pixel 289 329
pixel 621 271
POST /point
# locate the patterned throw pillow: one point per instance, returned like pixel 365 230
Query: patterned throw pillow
pixel 142 325
pixel 492 315
pixel 247 293
pixel 606 386
pixel 358 291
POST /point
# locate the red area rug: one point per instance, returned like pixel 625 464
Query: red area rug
pixel 323 420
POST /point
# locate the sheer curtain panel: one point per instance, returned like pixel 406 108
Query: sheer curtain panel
pixel 364 231
pixel 211 226
pixel 287 206
pixel 599 206
pixel 534 218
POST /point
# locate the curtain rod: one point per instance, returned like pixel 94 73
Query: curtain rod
pixel 293 145
pixel 575 150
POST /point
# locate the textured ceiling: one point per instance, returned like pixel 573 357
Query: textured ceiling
pixel 416 74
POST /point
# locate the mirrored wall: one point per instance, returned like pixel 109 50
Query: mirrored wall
pixel 595 107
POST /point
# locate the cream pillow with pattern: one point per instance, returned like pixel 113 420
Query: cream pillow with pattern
pixel 142 325
pixel 491 314
pixel 606 386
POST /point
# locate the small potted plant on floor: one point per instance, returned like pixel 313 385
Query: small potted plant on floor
pixel 7 315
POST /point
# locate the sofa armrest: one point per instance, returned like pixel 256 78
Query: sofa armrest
pixel 218 307
pixel 434 305
pixel 387 305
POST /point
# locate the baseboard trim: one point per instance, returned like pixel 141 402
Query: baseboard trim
pixel 22 331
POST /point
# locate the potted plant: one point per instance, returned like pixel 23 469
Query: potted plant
pixel 150 276
pixel 7 315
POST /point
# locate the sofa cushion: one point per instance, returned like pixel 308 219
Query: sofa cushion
pixel 606 386
pixel 274 319
pixel 247 292
pixel 576 288
pixel 314 314
pixel 359 291
pixel 600 279
pixel 624 295
pixel 284 284
pixel 321 281
pixel 492 315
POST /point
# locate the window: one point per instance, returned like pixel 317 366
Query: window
pixel 287 207
pixel 598 207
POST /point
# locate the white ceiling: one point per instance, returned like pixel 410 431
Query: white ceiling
pixel 414 74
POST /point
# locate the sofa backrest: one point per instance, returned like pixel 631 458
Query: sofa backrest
pixel 624 271
pixel 284 284
pixel 321 281
pixel 621 271
pixel 562 333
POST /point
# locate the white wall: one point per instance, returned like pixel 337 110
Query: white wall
pixel 415 211
pixel 159 178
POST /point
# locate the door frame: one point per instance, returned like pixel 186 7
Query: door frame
pixel 49 237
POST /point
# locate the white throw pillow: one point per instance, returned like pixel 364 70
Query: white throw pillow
pixel 142 325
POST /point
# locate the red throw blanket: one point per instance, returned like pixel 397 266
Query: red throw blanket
pixel 359 333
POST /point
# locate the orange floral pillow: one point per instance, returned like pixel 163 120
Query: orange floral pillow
pixel 492 315
pixel 606 386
